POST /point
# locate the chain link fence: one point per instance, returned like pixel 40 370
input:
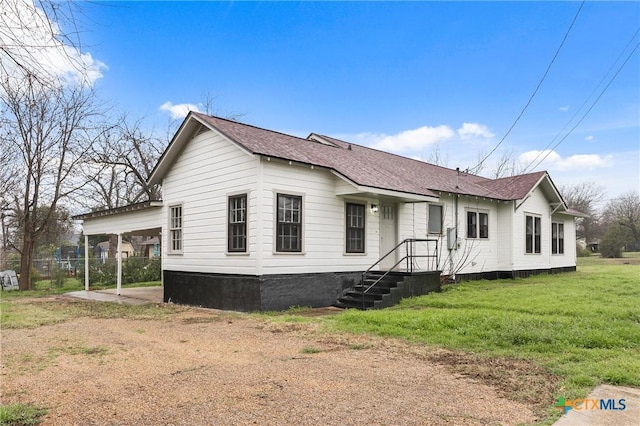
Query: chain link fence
pixel 102 272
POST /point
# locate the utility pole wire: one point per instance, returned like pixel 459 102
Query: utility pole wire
pixel 590 108
pixel 583 103
pixel 544 76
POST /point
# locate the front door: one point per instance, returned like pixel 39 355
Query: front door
pixel 388 235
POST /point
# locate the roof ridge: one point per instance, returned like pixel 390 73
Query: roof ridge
pixel 251 125
pixel 402 156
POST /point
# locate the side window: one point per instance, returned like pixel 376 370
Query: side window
pixel 237 224
pixel 557 238
pixel 355 230
pixel 483 225
pixel 533 230
pixel 477 224
pixel 472 225
pixel 289 223
pixel 175 229
pixel 435 219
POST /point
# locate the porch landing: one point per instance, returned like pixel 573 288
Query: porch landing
pixel 129 296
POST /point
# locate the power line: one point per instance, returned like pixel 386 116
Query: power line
pixel 583 104
pixel 544 76
pixel 588 111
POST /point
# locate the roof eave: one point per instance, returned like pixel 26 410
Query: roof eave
pixel 145 205
pixel 170 153
pixel 376 191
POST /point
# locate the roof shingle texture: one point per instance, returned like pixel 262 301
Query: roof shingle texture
pixel 370 167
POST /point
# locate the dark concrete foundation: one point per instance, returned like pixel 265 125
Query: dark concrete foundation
pixel 494 275
pixel 256 293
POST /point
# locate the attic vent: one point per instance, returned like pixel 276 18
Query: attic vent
pixel 317 138
pixel 201 130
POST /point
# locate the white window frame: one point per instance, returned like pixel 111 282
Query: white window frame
pixel 231 223
pixel 536 244
pixel 176 230
pixel 557 235
pixel 276 223
pixel 363 205
pixel 477 228
pixel 429 229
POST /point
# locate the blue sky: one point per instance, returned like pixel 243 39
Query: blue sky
pixel 409 77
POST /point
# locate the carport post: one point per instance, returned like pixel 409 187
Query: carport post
pixel 86 263
pixel 119 257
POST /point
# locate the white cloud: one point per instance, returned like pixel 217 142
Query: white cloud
pixel 588 138
pixel 471 130
pixel 178 111
pixel 586 162
pixel 415 139
pixel 564 108
pixel 29 38
pixel 553 161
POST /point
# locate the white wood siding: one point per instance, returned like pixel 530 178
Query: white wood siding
pixel 569 256
pixel 504 233
pixel 125 222
pixel 323 246
pixel 209 170
pixel 475 255
pixel 478 254
pixel 536 205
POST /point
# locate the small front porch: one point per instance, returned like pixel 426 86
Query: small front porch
pixel 413 271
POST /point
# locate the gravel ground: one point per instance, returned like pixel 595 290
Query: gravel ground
pixel 203 367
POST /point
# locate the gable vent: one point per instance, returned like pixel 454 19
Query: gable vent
pixel 201 130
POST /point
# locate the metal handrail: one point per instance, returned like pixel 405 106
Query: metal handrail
pixel 409 257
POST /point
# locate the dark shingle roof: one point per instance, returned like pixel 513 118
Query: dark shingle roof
pixel 370 167
pixel 514 187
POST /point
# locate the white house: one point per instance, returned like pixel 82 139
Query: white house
pixel 253 219
pixel 101 250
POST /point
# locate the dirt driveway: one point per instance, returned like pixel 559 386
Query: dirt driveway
pixel 204 367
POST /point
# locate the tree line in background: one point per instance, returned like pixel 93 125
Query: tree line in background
pixel 61 150
pixel 610 230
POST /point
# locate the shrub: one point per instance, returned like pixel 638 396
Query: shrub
pixel 59 277
pixel 582 252
pixel 611 244
pixel 134 270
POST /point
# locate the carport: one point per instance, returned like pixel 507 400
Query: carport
pixel 141 219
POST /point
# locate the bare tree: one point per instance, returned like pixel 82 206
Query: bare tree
pixel 624 212
pixel 122 161
pixel 436 157
pixel 584 198
pixel 40 38
pixel 507 165
pixel 48 132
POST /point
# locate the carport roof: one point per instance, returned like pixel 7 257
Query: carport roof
pixel 145 205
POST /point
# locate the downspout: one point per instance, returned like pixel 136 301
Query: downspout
pixel 455 209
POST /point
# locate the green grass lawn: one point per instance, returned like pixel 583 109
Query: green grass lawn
pixel 582 326
pixel 49 288
pixel 32 309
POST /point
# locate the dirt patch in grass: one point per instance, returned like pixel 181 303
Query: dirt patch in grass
pixel 514 379
pixel 196 366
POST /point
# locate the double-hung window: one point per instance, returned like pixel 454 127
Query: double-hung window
pixel 237 224
pixel 477 224
pixel 289 223
pixel 557 238
pixel 355 230
pixel 435 219
pixel 533 228
pixel 175 229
